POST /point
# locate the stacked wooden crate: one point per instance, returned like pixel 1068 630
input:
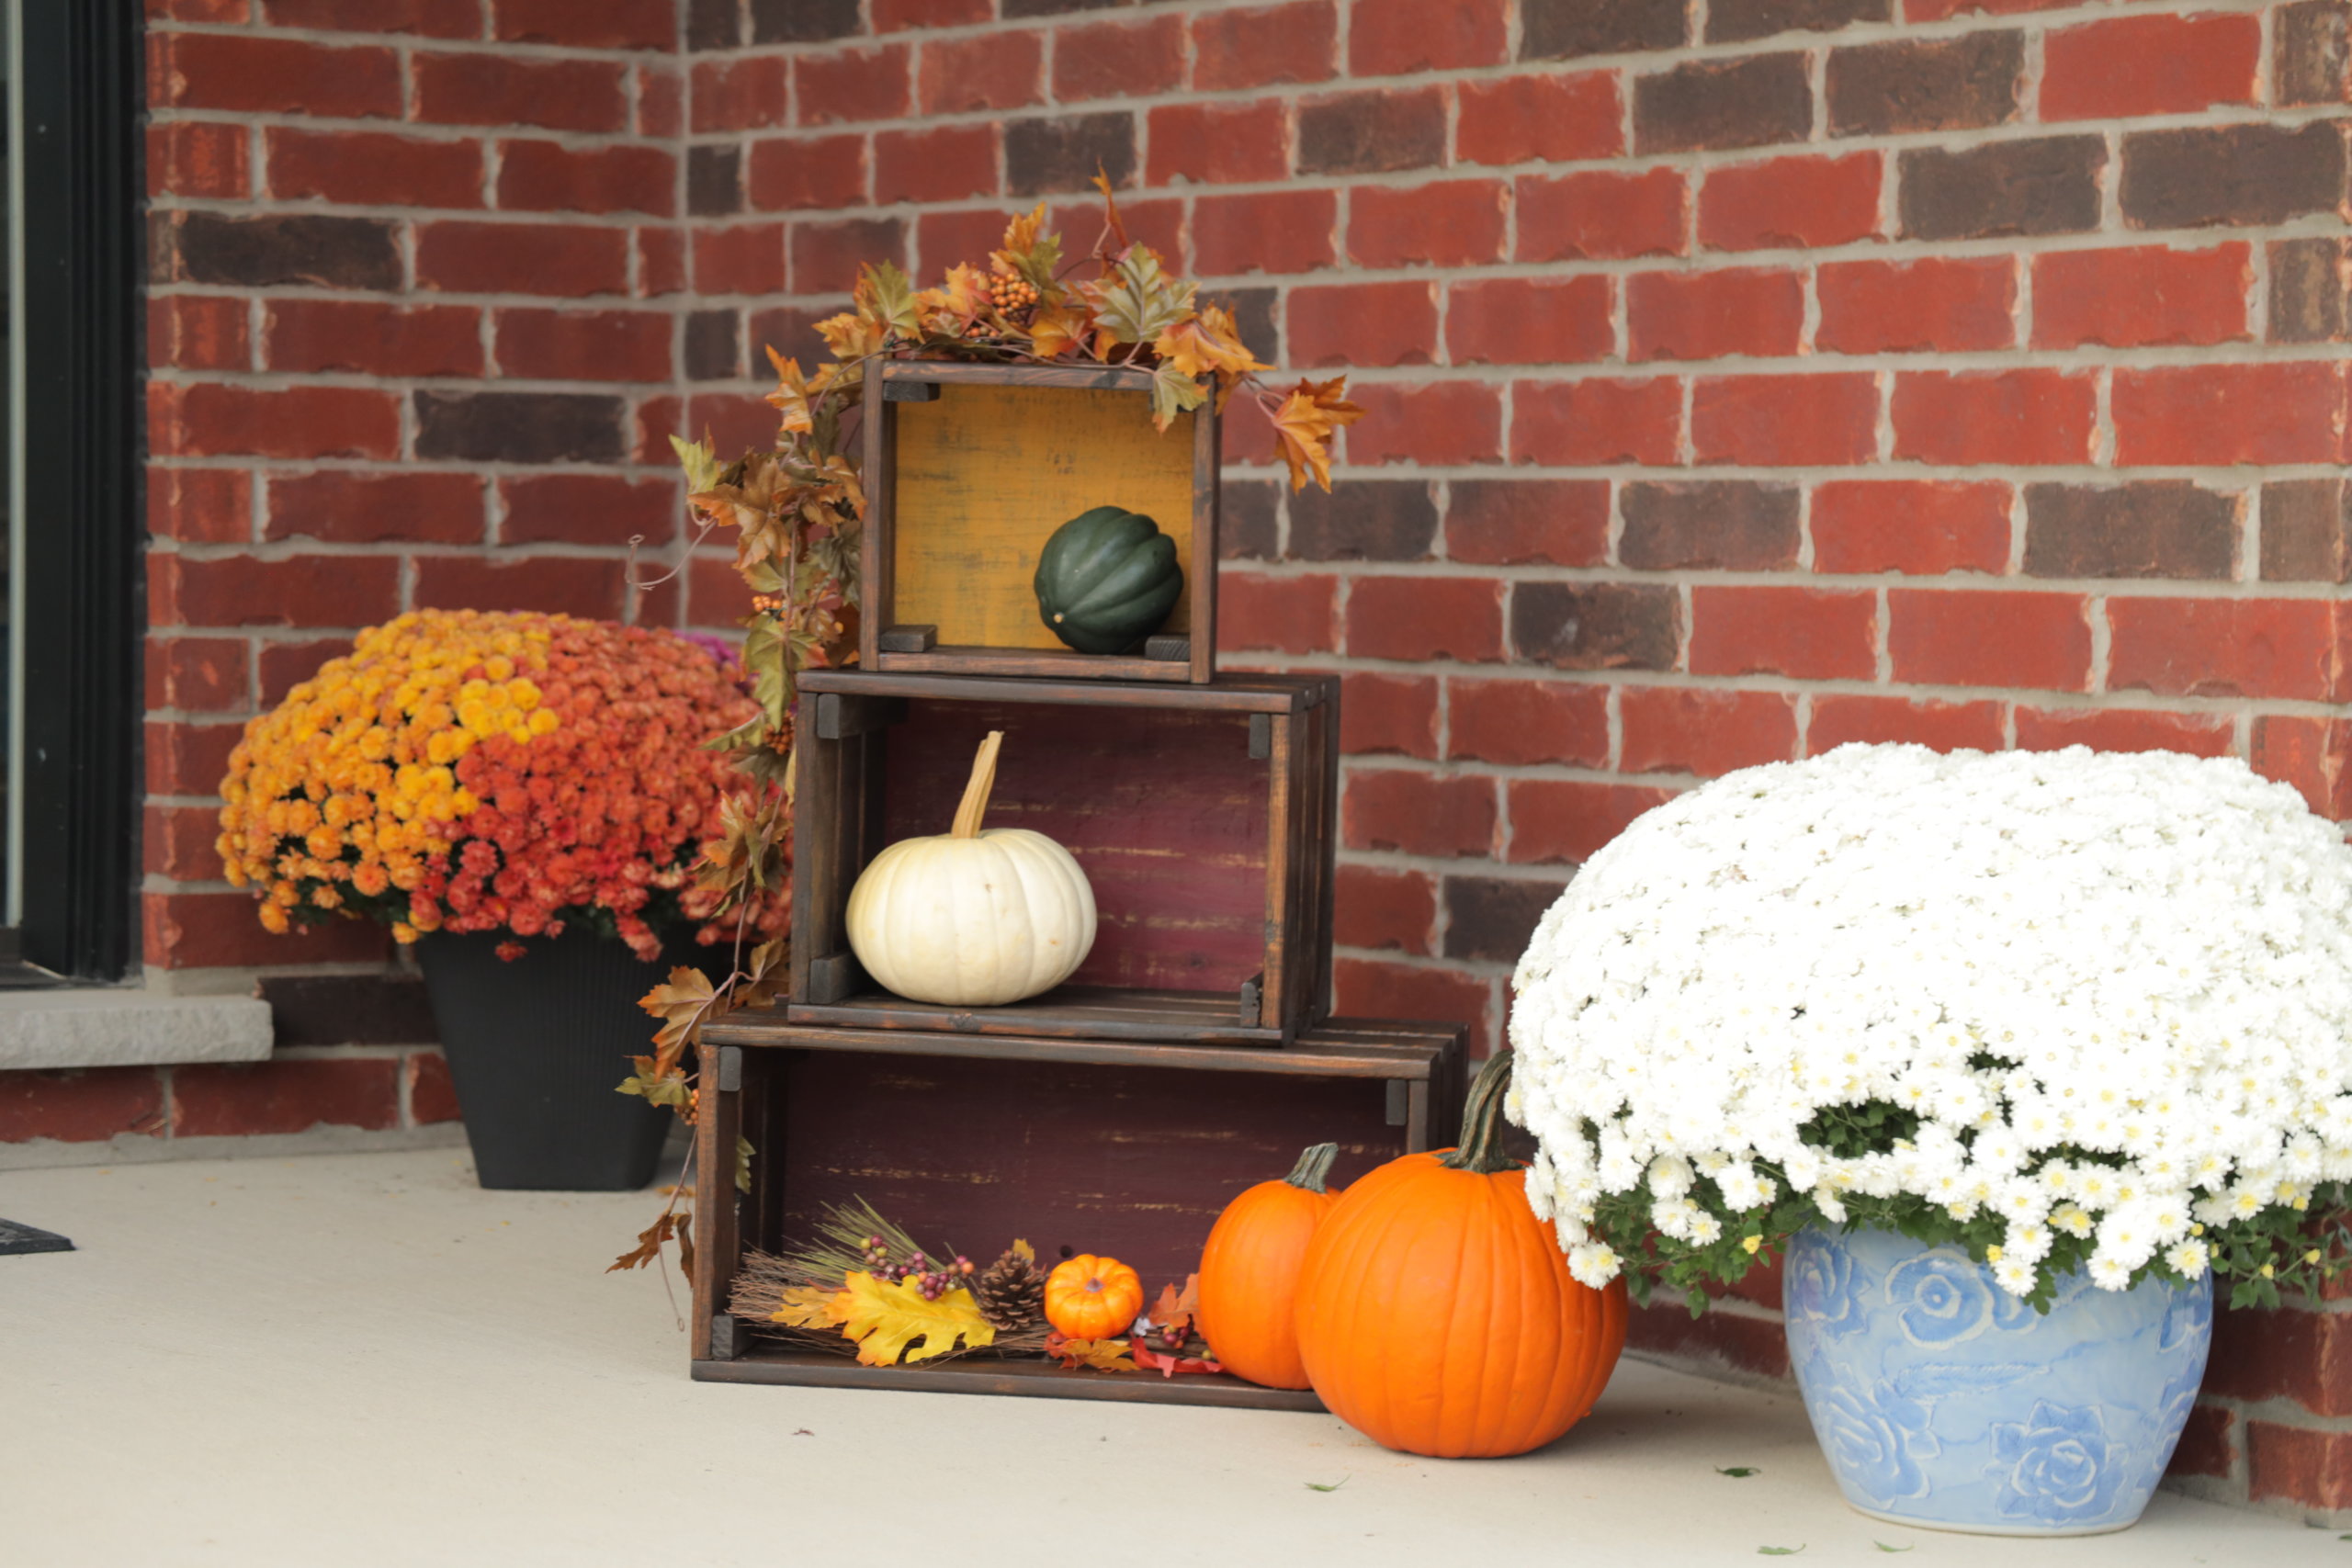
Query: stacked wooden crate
pixel 1191 1055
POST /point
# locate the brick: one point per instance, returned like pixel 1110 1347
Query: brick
pixel 714 350
pixel 2123 729
pixel 1805 634
pixel 941 164
pixel 738 421
pixel 2314 755
pixel 1549 117
pixel 546 176
pixel 1395 714
pixel 411 506
pixel 1218 143
pixel 210 420
pixel 176 842
pixel 1803 202
pixel 1707 315
pixel 1450 224
pixel 86 1107
pixel 897 15
pixel 982 71
pixel 1951 304
pixel 191 759
pixel 587 509
pixel 2037 641
pixel 210 506
pixel 203 930
pixel 744 258
pixel 2289 412
pixel 300 591
pixel 1259 47
pixel 563 586
pixel 1441 422
pixel 1553 29
pixel 828 256
pixel 1709 104
pixel 1995 416
pixel 1527 522
pixel 1157 222
pixel 2306 531
pixel 1596 626
pixel 1741 21
pixel 2225 648
pixel 1922 527
pixel 1116 60
pixel 431 1097
pixel 2152 528
pixel 2046 185
pixel 519 427
pixel 715 595
pixel 191 331
pixel 660 262
pixel 1559 821
pixel 1921 85
pixel 1529 320
pixel 2309 284
pixel 1678 729
pixel 2249 175
pixel 243 1100
pixel 280 249
pixel 849 84
pixel 1371 132
pixel 1784 421
pixel 2311 55
pixel 1707 525
pixel 714 180
pixel 754 94
pixel 251 74
pixel 1602 215
pixel 424 18
pixel 2207 1447
pixel 1839 720
pixel 373 169
pixel 1417 812
pixel 588 23
pixel 1046 155
pixel 1383 519
pixel 803 21
pixel 2140 296
pixel 1392 37
pixel 1248 525
pixel 1937 10
pixel 2149 64
pixel 585 345
pixel 1751 1346
pixel 1277 614
pixel 506 90
pixel 192 157
pixel 1364 324
pixel 561 260
pixel 1382 909
pixel 791 332
pixel 1365 989
pixel 2298 1465
pixel 1596 420
pixel 196 674
pixel 363 336
pixel 1488 920
pixel 1425 618
pixel 1528 721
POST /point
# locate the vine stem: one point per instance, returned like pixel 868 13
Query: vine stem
pixel 1480 1152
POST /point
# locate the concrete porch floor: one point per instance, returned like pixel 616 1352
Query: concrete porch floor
pixel 360 1359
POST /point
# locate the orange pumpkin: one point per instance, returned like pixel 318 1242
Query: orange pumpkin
pixel 1093 1298
pixel 1436 1313
pixel 1249 1271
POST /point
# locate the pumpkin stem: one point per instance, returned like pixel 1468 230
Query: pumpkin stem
pixel 1482 1120
pixel 1312 1170
pixel 975 804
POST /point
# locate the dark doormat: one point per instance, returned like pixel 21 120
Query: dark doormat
pixel 15 1237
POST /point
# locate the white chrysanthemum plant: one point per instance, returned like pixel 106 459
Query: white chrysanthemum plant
pixel 2068 1010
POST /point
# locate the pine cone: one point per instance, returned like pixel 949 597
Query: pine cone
pixel 1011 1294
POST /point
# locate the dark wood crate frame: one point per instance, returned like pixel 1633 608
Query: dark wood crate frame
pixel 886 645
pixel 741 1060
pixel 837 827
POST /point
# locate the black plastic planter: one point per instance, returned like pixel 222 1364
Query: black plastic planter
pixel 536 1048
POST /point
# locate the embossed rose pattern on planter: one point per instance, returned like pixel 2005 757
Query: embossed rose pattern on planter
pixel 1939 1399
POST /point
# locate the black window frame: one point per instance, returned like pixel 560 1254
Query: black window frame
pixel 79 324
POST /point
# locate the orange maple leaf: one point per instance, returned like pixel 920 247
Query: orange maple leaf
pixel 794 392
pixel 962 302
pixel 1305 424
pixel 1208 344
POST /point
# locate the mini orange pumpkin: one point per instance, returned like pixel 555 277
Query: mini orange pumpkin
pixel 1093 1298
pixel 1249 1271
pixel 1436 1313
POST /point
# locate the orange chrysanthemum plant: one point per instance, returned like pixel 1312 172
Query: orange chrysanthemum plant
pixel 467 770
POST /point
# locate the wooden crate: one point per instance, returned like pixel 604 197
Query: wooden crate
pixel 969 1141
pixel 1202 814
pixel 969 467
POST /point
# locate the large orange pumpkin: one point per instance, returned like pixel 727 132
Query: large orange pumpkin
pixel 1436 1313
pixel 1249 1290
pixel 1093 1298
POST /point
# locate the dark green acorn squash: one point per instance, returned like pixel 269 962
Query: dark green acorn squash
pixel 1106 579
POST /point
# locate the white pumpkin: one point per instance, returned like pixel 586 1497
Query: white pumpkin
pixel 972 918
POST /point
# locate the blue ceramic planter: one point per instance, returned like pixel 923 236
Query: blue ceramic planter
pixel 1940 1400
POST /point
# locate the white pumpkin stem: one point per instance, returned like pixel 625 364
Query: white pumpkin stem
pixel 975 804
